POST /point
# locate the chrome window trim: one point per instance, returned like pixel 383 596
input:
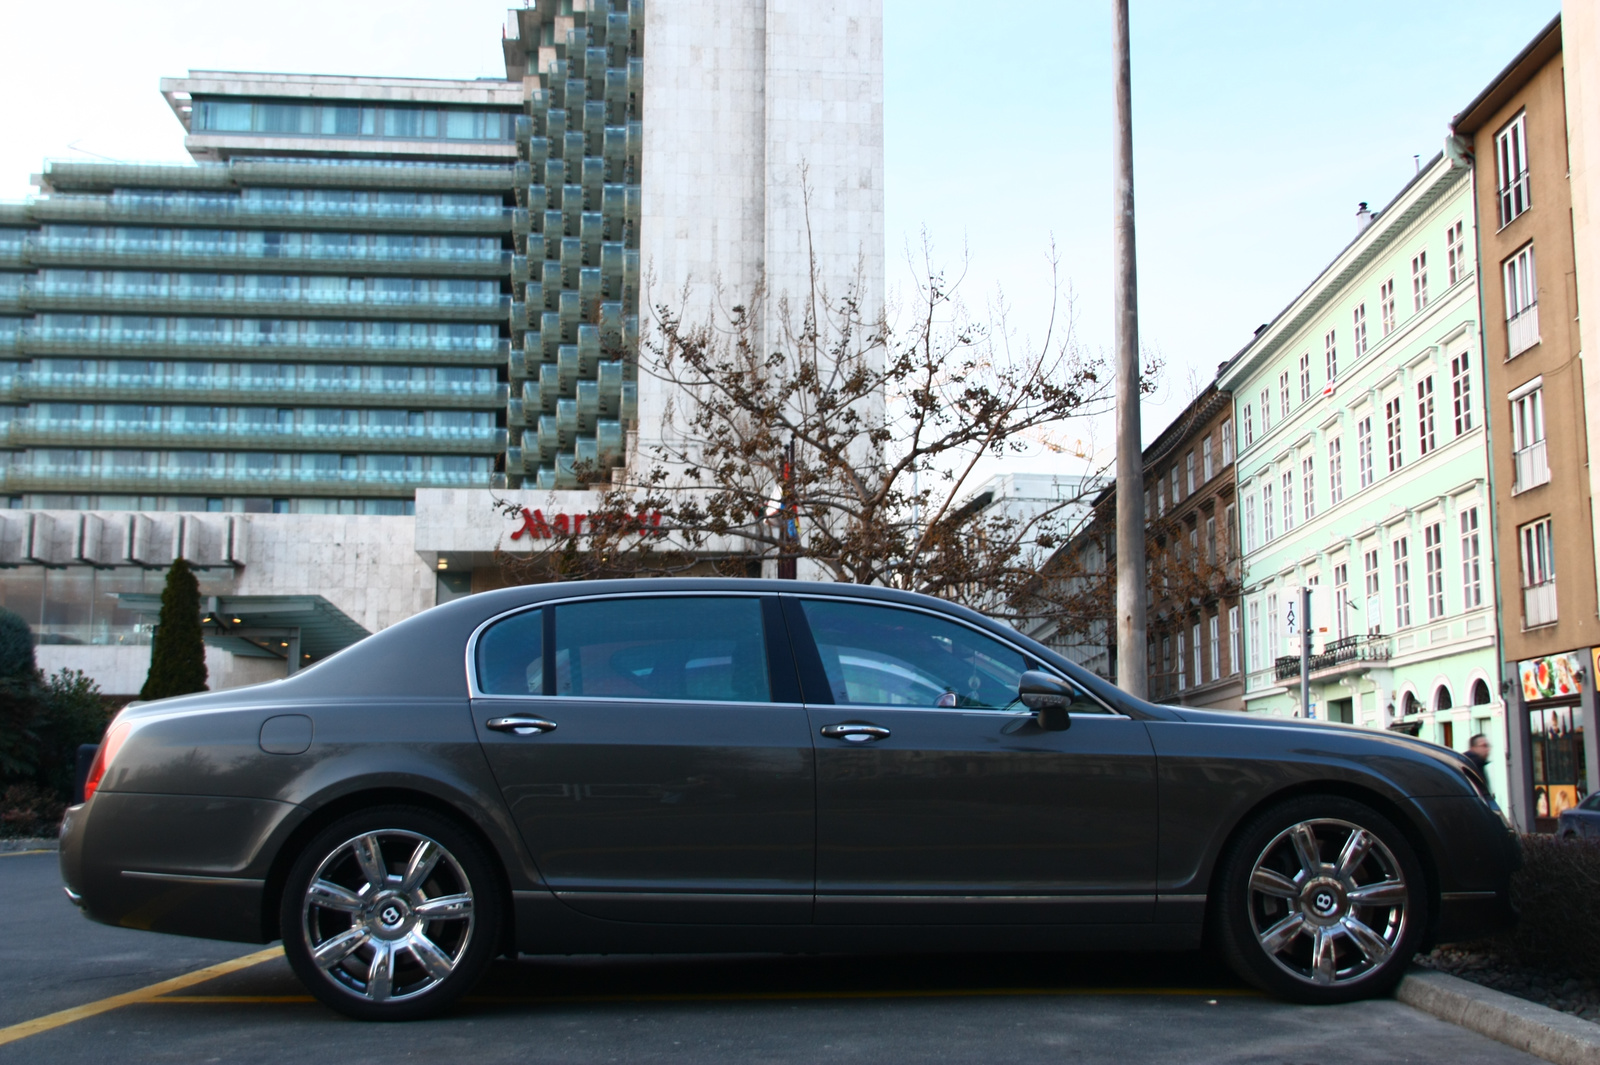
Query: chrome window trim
pixel 474 692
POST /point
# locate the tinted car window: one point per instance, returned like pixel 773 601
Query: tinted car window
pixel 884 656
pixel 702 648
pixel 510 656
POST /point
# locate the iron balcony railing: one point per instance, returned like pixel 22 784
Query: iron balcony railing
pixel 1351 649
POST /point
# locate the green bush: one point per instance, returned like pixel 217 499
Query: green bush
pixel 16 647
pixel 30 810
pixel 1556 893
pixel 178 652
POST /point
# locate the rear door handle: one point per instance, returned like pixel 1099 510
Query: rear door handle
pixel 521 725
pixel 855 733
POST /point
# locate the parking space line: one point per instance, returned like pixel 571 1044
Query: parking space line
pixel 18 854
pixel 128 998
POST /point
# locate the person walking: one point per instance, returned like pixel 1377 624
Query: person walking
pixel 1478 751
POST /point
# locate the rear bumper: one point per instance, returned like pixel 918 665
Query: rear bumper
pixel 186 865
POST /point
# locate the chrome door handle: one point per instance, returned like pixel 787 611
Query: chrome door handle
pixel 522 725
pixel 855 733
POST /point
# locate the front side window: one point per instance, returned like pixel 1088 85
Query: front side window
pixel 510 656
pixel 888 656
pixel 707 648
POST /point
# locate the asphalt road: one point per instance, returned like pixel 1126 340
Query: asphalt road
pixel 1015 1009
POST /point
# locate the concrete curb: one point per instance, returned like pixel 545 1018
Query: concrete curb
pixel 28 843
pixel 1527 1026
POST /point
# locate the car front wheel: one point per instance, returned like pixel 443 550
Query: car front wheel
pixel 391 914
pixel 1322 900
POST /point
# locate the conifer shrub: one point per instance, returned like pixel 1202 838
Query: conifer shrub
pixel 178 652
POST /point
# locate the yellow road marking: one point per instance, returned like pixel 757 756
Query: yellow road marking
pixel 204 999
pixel 18 854
pixel 144 994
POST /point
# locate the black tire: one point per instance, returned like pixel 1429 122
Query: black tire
pixel 1344 933
pixel 402 932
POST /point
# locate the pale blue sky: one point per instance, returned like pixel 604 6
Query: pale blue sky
pixel 1259 125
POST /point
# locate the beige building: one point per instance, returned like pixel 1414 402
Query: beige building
pixel 1516 135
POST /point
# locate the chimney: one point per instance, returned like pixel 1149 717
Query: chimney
pixel 1364 218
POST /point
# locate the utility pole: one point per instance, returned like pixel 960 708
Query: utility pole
pixel 1305 650
pixel 1132 668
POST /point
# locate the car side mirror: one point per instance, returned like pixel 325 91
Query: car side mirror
pixel 1049 698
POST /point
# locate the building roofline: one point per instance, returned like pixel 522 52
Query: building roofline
pixel 1517 73
pixel 1383 220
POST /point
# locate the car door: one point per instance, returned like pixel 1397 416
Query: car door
pixel 662 769
pixel 939 797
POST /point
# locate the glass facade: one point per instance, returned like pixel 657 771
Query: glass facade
pixel 327 342
pixel 575 279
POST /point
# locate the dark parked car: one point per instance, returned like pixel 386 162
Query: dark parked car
pixel 726 765
pixel 1581 821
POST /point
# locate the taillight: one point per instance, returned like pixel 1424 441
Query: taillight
pixel 102 758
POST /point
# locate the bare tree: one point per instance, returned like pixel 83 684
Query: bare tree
pixel 810 432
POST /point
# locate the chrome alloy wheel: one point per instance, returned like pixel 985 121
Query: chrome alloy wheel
pixel 388 915
pixel 1327 902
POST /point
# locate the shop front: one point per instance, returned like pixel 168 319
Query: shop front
pixel 1557 695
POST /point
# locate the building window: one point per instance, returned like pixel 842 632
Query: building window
pixel 1288 500
pixel 1175 496
pixel 1188 473
pixel 1161 498
pixel 1250 523
pixel 1183 676
pixel 1255 634
pixel 1233 640
pixel 1232 547
pixel 1341 600
pixel 1166 660
pixel 1227 439
pixel 1530 460
pixel 1374 600
pixel 1461 392
pixel 1283 395
pixel 1456 261
pixel 1537 544
pixel 1335 471
pixel 1522 303
pixel 1511 168
pixel 1471 561
pixel 1392 433
pixel 1249 426
pixel 1272 629
pixel 1426 439
pixel 1433 560
pixel 1419 281
pixel 1211 540
pixel 1266 512
pixel 1358 338
pixel 1266 411
pixel 1400 549
pixel 1305 377
pixel 1199 658
pixel 1386 306
pixel 1205 459
pixel 1364 450
pixel 1308 487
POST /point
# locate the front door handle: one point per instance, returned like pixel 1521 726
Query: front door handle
pixel 855 733
pixel 521 725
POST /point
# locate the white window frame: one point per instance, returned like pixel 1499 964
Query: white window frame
pixel 1373 586
pixel 1365 468
pixel 1521 276
pixel 1427 437
pixel 1335 470
pixel 1433 560
pixel 1268 533
pixel 1288 499
pixel 1400 554
pixel 1394 434
pixel 1305 377
pixel 1250 522
pixel 1273 647
pixel 1456 261
pixel 1266 411
pixel 1183 666
pixel 1233 640
pixel 1308 487
pixel 1512 188
pixel 1386 306
pixel 1227 442
pixel 1341 600
pixel 1530 459
pixel 1536 556
pixel 1283 396
pixel 1471 560
pixel 1254 621
pixel 1199 657
pixel 1461 391
pixel 1206 466
pixel 1419 281
pixel 1188 473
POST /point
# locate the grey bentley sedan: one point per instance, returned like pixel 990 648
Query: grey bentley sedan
pixel 730 765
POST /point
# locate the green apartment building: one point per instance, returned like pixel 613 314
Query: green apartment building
pixel 1363 473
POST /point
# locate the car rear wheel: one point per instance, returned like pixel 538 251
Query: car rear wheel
pixel 1321 900
pixel 391 913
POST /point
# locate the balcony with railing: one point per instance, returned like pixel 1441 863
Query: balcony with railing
pixel 1539 604
pixel 1522 330
pixel 1352 654
pixel 141 480
pixel 273 214
pixel 1532 467
pixel 313 258
pixel 307 303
